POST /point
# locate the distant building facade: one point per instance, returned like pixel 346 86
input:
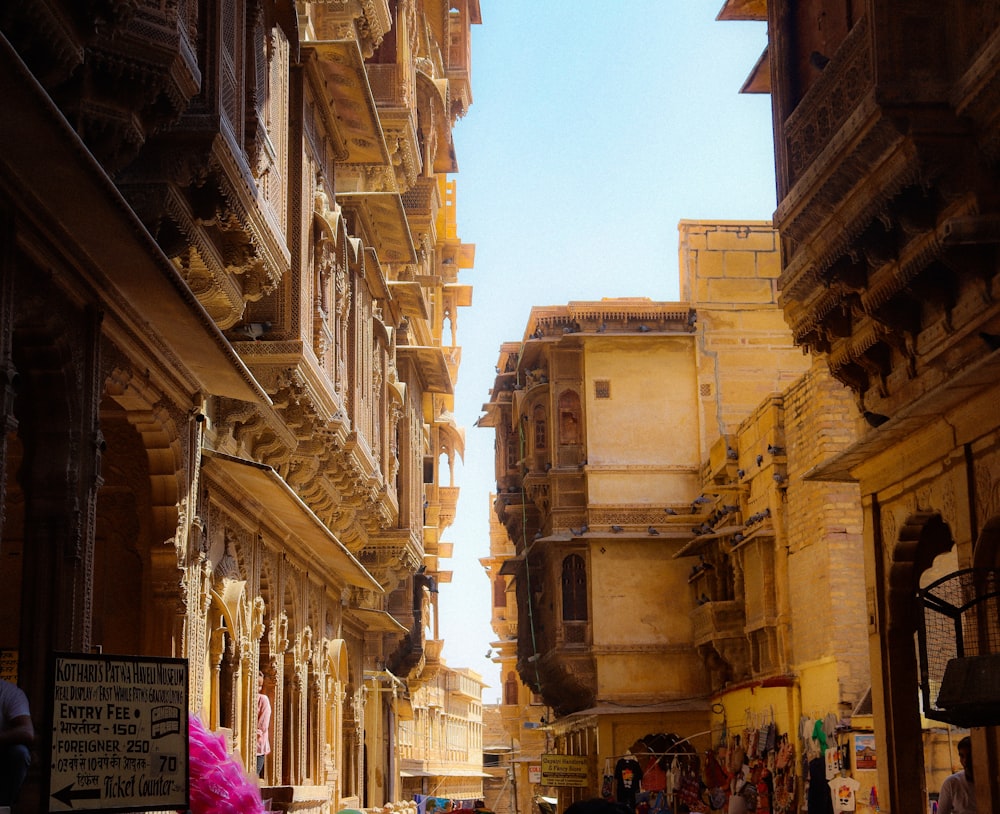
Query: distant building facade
pixel 229 295
pixel 440 747
pixel 672 572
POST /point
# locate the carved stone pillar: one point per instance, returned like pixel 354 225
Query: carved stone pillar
pixel 216 652
pixel 194 639
pixel 277 647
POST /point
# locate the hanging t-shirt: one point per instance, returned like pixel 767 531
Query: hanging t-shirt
pixel 628 776
pixel 833 764
pixel 844 791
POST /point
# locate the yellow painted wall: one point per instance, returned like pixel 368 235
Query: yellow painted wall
pixel 642 442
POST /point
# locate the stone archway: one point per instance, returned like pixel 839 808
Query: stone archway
pixel 922 537
pixel 149 489
pixel 986 553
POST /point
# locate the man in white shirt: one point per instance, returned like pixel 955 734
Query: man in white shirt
pixel 16 737
pixel 958 795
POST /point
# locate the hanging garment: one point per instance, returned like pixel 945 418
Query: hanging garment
pixel 715 774
pixel 608 783
pixel 654 778
pixel 736 756
pixel 784 792
pixel 843 791
pixel 690 788
pixel 786 754
pixel 833 765
pixel 628 776
pixel 818 799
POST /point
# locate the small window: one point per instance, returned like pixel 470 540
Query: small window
pixel 602 388
pixel 511 454
pixel 574 589
pixel 510 689
pixel 540 434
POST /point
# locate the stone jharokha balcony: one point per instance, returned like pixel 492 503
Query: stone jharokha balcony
pixel 432 658
pixel 448 497
pixel 716 621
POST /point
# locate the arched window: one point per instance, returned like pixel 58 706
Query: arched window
pixel 510 689
pixel 574 589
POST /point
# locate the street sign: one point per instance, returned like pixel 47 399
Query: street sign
pixel 119 733
pixel 565 770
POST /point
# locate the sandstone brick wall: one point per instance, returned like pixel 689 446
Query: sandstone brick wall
pixel 824 534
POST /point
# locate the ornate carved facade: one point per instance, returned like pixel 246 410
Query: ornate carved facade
pixel 886 157
pixel 229 259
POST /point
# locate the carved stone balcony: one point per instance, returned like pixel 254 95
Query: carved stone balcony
pixel 391 556
pixel 717 621
pixel 432 649
pixel 886 245
pixel 448 497
pixel 721 641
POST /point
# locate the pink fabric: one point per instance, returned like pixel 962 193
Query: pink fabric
pixel 219 785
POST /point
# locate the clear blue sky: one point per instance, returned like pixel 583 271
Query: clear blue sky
pixel 596 127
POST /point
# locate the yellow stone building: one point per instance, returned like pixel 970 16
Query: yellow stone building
pixel 674 572
pixel 440 748
pixel 522 715
pixel 885 134
pixel 229 301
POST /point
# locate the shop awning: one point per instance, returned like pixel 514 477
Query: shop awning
pixel 377 619
pixel 278 503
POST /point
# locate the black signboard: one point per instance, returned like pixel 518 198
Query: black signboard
pixel 119 733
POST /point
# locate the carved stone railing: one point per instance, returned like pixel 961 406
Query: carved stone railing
pixel 827 105
pixel 715 621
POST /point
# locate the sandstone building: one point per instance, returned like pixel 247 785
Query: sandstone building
pixel 673 573
pixel 440 747
pixel 521 716
pixel 886 134
pixel 229 298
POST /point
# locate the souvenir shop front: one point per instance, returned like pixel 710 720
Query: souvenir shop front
pixel 759 762
pixel 625 744
pixel 768 757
